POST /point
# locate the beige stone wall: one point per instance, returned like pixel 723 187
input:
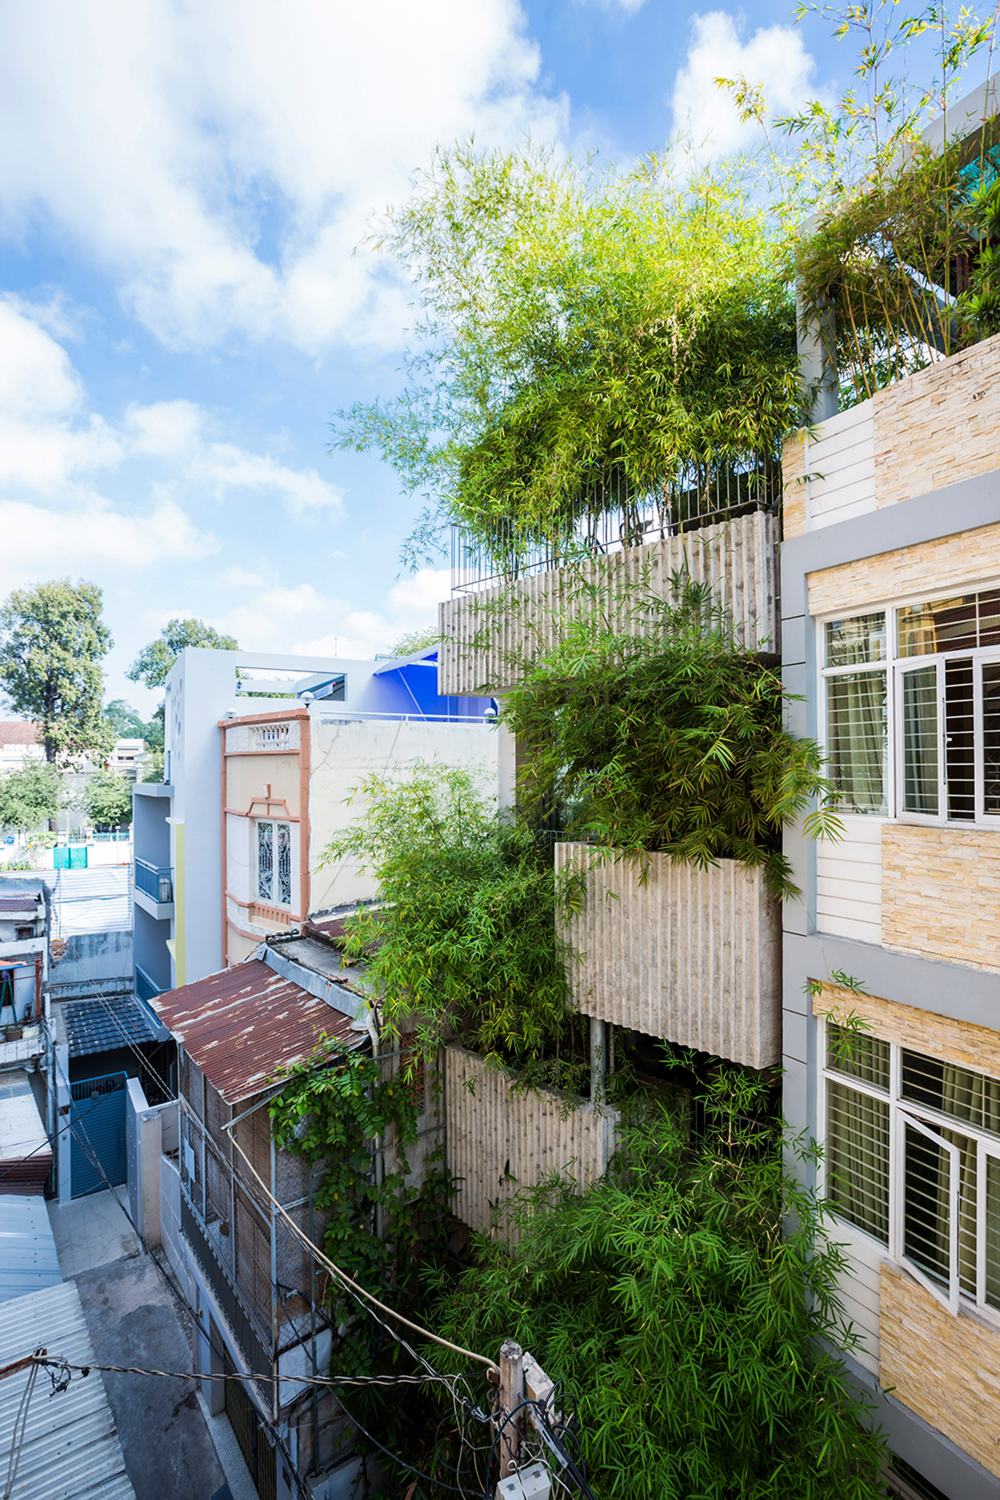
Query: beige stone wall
pixel 945 1368
pixel 941 893
pixel 954 1041
pixel 939 426
pixel 958 561
pixel 794 492
pixel 249 776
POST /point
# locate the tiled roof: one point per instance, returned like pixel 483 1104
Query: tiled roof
pixel 16 732
pixel 106 1022
pixel 243 1024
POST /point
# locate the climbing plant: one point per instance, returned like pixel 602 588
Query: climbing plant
pixel 353 1118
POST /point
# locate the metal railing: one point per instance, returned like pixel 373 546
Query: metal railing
pixel 154 882
pixel 613 517
pixel 258 1351
pixel 112 836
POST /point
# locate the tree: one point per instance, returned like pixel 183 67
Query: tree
pixel 124 720
pixel 52 642
pixel 29 798
pixel 152 665
pixel 152 764
pixel 107 800
pixel 417 640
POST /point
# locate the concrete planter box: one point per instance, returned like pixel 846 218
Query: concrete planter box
pixel 485 636
pixel 692 956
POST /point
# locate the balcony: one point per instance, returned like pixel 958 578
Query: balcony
pixel 25 1050
pixel 145 987
pixel 154 888
pixel 490 626
pixel 934 428
pixel 692 956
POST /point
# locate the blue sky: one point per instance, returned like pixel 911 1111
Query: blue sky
pixel 182 188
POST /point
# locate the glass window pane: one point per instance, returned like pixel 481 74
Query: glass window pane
pixel 945 625
pixel 857 1158
pixel 959 738
pixel 989 618
pixel 850 1050
pixel 991 738
pixel 991 1242
pixel 920 741
pixel 265 860
pixel 953 1090
pixel 284 832
pixel 856 740
pixel 926 1206
pixel 853 641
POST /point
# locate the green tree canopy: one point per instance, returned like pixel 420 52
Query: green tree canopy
pixel 417 640
pixel 29 797
pixel 52 642
pixel 583 334
pixel 107 800
pixel 152 665
pixel 124 720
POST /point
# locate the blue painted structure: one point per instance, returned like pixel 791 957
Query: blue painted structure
pixel 97 1126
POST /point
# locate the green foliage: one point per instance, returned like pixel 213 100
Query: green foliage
pixel 688 1303
pixel 152 665
pixel 417 640
pixel 337 1110
pixel 29 798
pixel 107 800
pixel 584 335
pixel 670 739
pixel 895 227
pixel 152 765
pixel 464 937
pixel 52 642
pixel 128 725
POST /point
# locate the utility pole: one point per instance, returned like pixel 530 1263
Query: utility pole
pixel 509 1397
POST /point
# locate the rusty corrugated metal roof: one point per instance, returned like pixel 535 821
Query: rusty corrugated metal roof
pixel 243 1024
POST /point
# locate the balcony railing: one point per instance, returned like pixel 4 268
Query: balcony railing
pixel 615 517
pixel 156 883
pixel 258 1350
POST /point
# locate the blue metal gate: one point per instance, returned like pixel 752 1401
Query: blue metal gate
pixel 97 1126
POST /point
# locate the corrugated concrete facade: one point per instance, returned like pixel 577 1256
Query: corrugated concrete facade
pixel 486 637
pixel 689 955
pixel 500 1140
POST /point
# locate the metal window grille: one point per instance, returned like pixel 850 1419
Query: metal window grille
pixel 614 514
pixel 857 740
pixel 283 832
pixel 265 859
pixel 857 1158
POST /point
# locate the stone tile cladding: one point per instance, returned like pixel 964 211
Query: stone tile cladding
pixel 941 893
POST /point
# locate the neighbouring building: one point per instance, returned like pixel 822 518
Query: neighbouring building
pixel 19 742
pixel 260 1294
pixel 126 757
pixel 263 754
pixel 26 1104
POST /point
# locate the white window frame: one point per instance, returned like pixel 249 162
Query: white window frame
pixel 894 666
pixel 928 1122
pixel 273 899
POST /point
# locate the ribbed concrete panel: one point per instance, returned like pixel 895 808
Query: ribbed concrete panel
pixel 499 1141
pixel 692 956
pixel 486 636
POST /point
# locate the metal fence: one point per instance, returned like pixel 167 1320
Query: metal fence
pixel 615 516
pixel 156 883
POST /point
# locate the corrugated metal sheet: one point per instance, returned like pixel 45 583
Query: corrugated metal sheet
pixel 499 1141
pixel 689 955
pixel 243 1024
pixel 481 647
pixel 28 1259
pixel 71 1449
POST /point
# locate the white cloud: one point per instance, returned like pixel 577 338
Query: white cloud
pixel 41 543
pixel 223 159
pixel 305 621
pixel 49 440
pixel 773 57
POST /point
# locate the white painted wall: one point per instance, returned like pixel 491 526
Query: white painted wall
pixel 840 467
pixel 849 881
pixel 346 751
pixel 858 1288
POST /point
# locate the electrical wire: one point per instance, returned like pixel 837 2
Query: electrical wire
pixel 342 1277
pixel 46 1144
pixel 59 1362
pixel 18 1431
